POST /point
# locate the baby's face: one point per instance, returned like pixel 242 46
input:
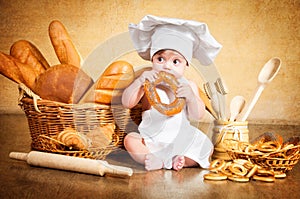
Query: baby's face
pixel 169 61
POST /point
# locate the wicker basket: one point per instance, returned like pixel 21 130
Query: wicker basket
pixel 275 160
pixel 48 118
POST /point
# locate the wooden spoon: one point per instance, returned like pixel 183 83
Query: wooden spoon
pixel 236 106
pixel 266 75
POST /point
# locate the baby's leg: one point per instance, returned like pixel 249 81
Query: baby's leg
pixel 133 143
pixel 135 146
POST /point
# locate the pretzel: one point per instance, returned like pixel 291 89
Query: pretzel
pixel 225 170
pixel 269 146
pixel 241 170
pixel 264 172
pixel 252 171
pixel 279 174
pixel 238 169
pixel 215 176
pixel 238 178
pixel 217 165
pixel 150 90
pixel 264 178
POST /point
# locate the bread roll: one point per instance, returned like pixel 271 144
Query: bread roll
pixel 16 71
pixel 62 83
pixel 118 75
pixel 73 139
pixel 28 54
pixel 63 45
pixel 101 137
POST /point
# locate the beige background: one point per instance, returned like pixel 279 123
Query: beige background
pixel 251 33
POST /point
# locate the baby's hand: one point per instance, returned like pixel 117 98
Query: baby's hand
pixel 149 75
pixel 185 90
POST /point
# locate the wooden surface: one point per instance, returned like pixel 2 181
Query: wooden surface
pixel 19 180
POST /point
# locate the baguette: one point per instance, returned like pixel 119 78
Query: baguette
pixel 62 43
pixel 28 54
pixel 16 71
pixel 62 83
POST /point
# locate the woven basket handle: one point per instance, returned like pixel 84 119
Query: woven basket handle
pixel 25 90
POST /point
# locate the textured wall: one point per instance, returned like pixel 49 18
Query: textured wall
pixel 251 32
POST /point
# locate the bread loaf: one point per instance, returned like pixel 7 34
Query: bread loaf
pixel 28 54
pixel 63 45
pixel 108 89
pixel 117 75
pixel 62 83
pixel 105 96
pixel 16 71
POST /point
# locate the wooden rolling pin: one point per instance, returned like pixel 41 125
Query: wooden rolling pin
pixel 68 163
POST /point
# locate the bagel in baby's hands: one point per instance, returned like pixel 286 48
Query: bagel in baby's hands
pixel 150 90
pixel 62 83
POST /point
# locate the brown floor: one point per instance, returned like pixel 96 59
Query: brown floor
pixel 19 180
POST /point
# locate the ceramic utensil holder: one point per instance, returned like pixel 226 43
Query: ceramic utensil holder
pixel 224 133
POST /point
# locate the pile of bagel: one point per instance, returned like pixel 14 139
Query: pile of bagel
pixel 267 145
pixel 65 82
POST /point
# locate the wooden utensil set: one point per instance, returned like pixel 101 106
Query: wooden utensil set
pixel 216 90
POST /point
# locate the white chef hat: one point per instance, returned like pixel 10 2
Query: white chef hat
pixel 190 38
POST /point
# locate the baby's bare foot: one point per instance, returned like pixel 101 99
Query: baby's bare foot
pixel 178 162
pixel 152 162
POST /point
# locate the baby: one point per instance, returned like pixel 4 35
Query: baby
pixel 163 141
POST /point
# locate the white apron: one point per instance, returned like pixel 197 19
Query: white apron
pixel 169 136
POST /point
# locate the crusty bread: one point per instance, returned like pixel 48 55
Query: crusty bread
pixel 63 83
pixel 117 75
pixel 29 54
pixel 63 45
pixel 16 71
pixel 119 81
pixel 105 96
pixel 108 89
